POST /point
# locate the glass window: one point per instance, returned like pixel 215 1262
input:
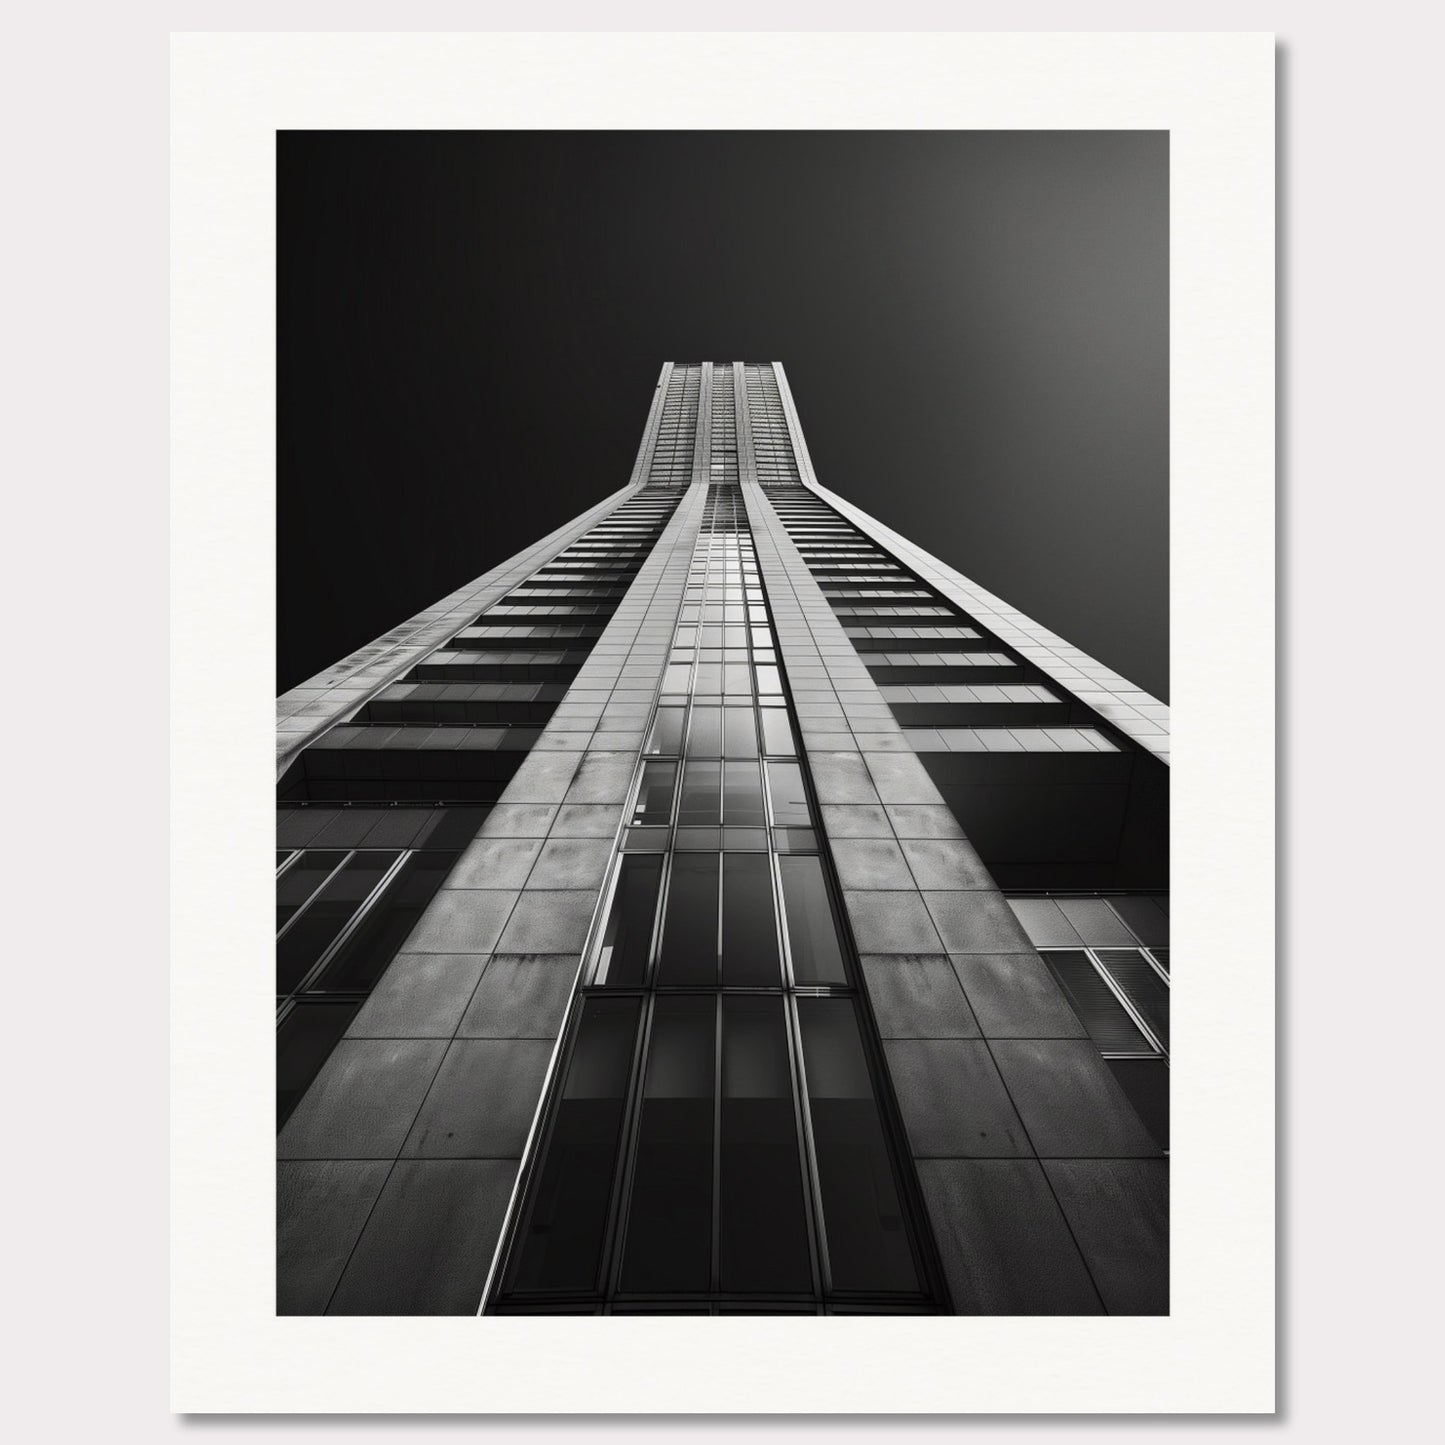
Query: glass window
pixel 741 734
pixel 364 956
pixel 777 733
pixel 669 1223
pixel 689 937
pixel 301 880
pixel 768 680
pixel 654 796
pixel 812 933
pixel 743 794
pixel 315 930
pixel 666 735
pixel 789 800
pixel 561 1243
pixel 862 1211
pixel 1106 1019
pixel 701 794
pixel 749 930
pixel 704 739
pixel 1142 986
pixel 763 1237
pixel 627 939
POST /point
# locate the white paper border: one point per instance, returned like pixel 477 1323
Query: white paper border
pixel 1214 93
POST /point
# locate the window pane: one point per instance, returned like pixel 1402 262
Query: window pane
pixel 704 737
pixel 364 956
pixel 790 801
pixel 1105 1018
pixel 736 679
pixel 1142 987
pixel 627 939
pixel 666 735
pixel 742 733
pixel 743 795
pixel 669 1222
pixel 862 1211
pixel 701 795
pixel 654 796
pixel 749 932
pixel 301 880
pixel 689 938
pixel 561 1245
pixel 303 1043
pixel 778 733
pixel 331 910
pixel 763 1237
pixel 812 933
pixel 768 680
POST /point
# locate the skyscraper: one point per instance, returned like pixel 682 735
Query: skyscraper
pixel 722 907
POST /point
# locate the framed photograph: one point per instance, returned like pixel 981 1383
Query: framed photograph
pixel 727 522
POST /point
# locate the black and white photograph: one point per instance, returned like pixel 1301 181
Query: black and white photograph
pixel 725 527
pixel 731 876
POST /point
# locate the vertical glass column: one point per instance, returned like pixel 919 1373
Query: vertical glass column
pixel 744 1164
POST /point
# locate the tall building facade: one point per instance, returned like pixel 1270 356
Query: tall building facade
pixel 722 907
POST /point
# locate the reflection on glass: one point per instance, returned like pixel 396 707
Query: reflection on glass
pixel 862 1212
pixel 669 1222
pixel 388 922
pixel 1098 1008
pixel 301 880
pixel 330 911
pixel 666 735
pixel 777 733
pixel 785 789
pixel 741 735
pixel 654 796
pixel 627 939
pixel 1148 993
pixel 561 1243
pixel 701 794
pixel 812 932
pixel 704 739
pixel 689 936
pixel 743 795
pixel 749 932
pixel 763 1237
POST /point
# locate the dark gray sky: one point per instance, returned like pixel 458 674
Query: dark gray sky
pixel 974 324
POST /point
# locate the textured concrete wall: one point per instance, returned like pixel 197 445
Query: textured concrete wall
pixel 398 1166
pixel 1045 1193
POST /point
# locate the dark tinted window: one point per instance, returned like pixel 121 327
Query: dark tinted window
pixel 689 936
pixel 654 795
pixel 561 1243
pixel 669 1226
pixel 812 931
pixel 763 1237
pixel 867 1241
pixel 315 930
pixel 364 956
pixel 1101 1013
pixel 301 880
pixel 749 931
pixel 627 938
